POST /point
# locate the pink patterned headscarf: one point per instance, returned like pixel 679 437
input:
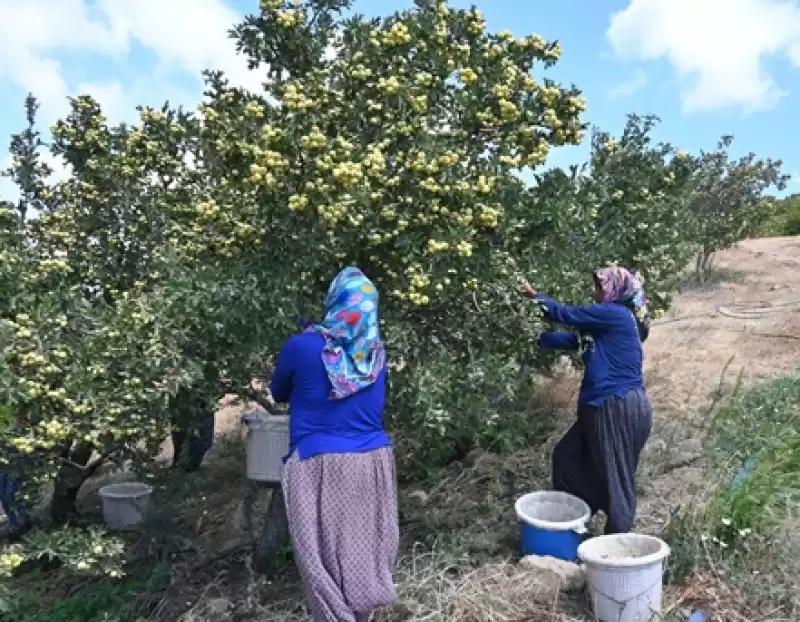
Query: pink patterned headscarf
pixel 623 287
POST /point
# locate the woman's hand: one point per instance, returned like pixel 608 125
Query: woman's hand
pixel 527 290
pixel 304 323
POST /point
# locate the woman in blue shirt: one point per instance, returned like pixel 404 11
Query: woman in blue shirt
pixel 339 478
pixel 598 457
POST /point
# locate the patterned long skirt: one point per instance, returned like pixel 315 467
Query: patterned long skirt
pixel 342 511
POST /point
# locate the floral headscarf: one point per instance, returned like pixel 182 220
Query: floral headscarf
pixel 623 287
pixel 354 354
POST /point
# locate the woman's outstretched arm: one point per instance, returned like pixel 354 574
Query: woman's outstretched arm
pixel 558 341
pixel 586 317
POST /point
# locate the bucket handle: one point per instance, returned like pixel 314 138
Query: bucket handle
pixel 623 604
pixel 243 423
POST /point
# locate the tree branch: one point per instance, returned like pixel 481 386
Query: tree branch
pixel 90 468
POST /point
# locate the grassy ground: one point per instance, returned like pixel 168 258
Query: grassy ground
pixel 742 543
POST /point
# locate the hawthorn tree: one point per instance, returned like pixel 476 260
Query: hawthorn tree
pixel 729 203
pixel 394 144
pixel 104 321
pixel 635 197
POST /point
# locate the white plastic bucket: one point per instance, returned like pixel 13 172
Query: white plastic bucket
pixel 267 445
pixel 125 504
pixel 624 574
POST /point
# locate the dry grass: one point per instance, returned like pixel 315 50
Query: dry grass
pixel 436 589
pixel 462 573
pixel 433 586
pixel 722 597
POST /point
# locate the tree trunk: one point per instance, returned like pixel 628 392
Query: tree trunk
pixel 68 484
pixel 269 552
pixel 708 262
pixel 704 261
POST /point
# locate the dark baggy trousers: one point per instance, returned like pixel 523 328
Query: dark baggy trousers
pixel 191 445
pixel 17 519
pixel 598 457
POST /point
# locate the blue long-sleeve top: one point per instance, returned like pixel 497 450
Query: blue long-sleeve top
pixel 317 424
pixel 612 357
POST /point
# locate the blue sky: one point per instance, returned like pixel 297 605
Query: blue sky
pixel 706 67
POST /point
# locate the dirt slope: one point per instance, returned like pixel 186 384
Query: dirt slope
pixel 689 349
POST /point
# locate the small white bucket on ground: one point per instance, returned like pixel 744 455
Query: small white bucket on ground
pixel 624 574
pixel 267 444
pixel 125 504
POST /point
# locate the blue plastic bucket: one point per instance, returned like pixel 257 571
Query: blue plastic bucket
pixel 552 523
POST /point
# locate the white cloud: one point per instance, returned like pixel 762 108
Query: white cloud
pixel 718 47
pixel 183 35
pixel 110 96
pixel 190 35
pixel 630 87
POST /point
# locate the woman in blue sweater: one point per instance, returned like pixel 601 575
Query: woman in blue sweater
pixel 339 478
pixel 598 457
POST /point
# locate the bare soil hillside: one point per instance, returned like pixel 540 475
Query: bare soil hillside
pixel 747 323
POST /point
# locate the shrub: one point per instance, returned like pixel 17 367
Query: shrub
pixel 786 217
